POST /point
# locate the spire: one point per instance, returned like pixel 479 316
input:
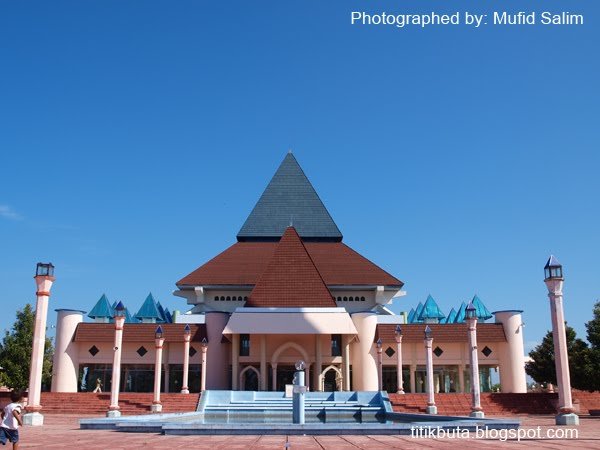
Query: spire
pixel 431 311
pixel 460 315
pixel 149 311
pixel 289 196
pixel 482 312
pixel 418 311
pixel 451 316
pixel 102 309
pixel 290 279
pixel 411 316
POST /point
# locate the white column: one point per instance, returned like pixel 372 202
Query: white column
pixel 364 363
pixel 65 366
pixel 264 378
pixel 431 408
pixel 346 365
pixel 413 381
pixel 156 405
pixel 399 381
pixel 204 348
pixel 461 378
pixel 476 410
pixel 113 409
pixel 33 416
pixel 186 363
pixel 274 377
pixel 318 364
pixel 566 414
pixel 235 355
pixel 380 367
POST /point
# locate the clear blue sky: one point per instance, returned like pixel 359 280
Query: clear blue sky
pixel 135 138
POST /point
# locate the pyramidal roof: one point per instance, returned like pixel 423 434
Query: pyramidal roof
pixel 149 309
pixel 102 308
pixel 482 312
pixel 461 313
pixel 290 279
pixel 431 310
pixel 289 199
pixel 418 311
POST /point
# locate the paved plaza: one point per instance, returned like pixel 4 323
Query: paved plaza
pixel 61 432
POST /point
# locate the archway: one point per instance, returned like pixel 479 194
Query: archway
pixel 331 379
pixel 250 379
pixel 283 374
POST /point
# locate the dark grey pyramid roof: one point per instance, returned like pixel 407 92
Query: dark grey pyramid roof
pixel 289 199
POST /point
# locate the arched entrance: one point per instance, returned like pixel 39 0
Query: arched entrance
pixel 331 379
pixel 250 379
pixel 283 368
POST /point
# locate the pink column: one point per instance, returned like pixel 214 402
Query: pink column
pixel 471 315
pixel 159 341
pixel 554 282
pixel 379 365
pixel 204 346
pixel 113 409
pixel 431 408
pixel 187 335
pixel 399 381
pixel 43 279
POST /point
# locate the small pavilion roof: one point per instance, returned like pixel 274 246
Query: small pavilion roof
pixel 431 310
pixel 461 313
pixel 149 309
pixel 418 311
pixel 102 308
pixel 451 316
pixel 482 312
pixel 411 315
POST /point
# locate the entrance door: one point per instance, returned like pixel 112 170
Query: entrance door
pixel 250 381
pixel 329 384
pixel 285 375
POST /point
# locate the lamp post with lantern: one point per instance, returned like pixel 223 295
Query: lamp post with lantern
pixel 553 277
pixel 471 316
pixel 187 335
pixel 44 277
pixel 159 341
pixel 431 408
pixel 204 347
pixel 119 317
pixel 398 337
pixel 380 364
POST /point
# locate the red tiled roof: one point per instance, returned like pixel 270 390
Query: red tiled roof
pixel 290 278
pixel 244 262
pixel 452 332
pixel 136 332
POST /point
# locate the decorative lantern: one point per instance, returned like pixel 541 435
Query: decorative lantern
pixel 158 334
pixel 44 270
pixel 552 269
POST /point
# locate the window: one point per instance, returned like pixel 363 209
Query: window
pixel 336 345
pixel 244 345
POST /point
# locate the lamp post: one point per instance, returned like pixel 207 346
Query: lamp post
pixel 119 316
pixel 379 364
pixel 159 341
pixel 471 316
pixel 44 277
pixel 187 335
pixel 553 277
pixel 204 347
pixel 398 337
pixel 431 408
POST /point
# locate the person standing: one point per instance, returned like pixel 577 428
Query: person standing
pixel 98 385
pixel 11 420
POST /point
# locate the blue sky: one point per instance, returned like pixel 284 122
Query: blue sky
pixel 136 138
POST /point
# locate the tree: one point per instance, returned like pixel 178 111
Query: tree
pixel 543 370
pixel 15 352
pixel 593 337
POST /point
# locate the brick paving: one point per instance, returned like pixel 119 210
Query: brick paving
pixel 62 431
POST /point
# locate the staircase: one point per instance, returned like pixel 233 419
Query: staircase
pixel 495 404
pixel 87 403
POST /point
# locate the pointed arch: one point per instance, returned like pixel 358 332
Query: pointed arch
pixel 339 377
pixel 284 347
pixel 243 374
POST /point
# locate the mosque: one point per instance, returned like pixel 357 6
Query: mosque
pixel 288 289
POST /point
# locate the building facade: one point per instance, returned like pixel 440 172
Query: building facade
pixel 289 289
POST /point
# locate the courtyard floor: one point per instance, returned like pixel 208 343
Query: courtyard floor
pixel 61 432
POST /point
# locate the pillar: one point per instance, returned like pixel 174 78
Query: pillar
pixel 431 408
pixel 318 385
pixel 217 374
pixel 379 366
pixel 512 353
pixel 274 377
pixel 346 365
pixel 187 336
pixel 476 410
pixel 413 376
pixel 33 416
pixel 156 404
pixel 461 377
pixel 263 364
pixel 399 381
pixel 113 409
pixel 566 414
pixel 65 366
pixel 235 358
pixel 204 348
pixel 364 373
